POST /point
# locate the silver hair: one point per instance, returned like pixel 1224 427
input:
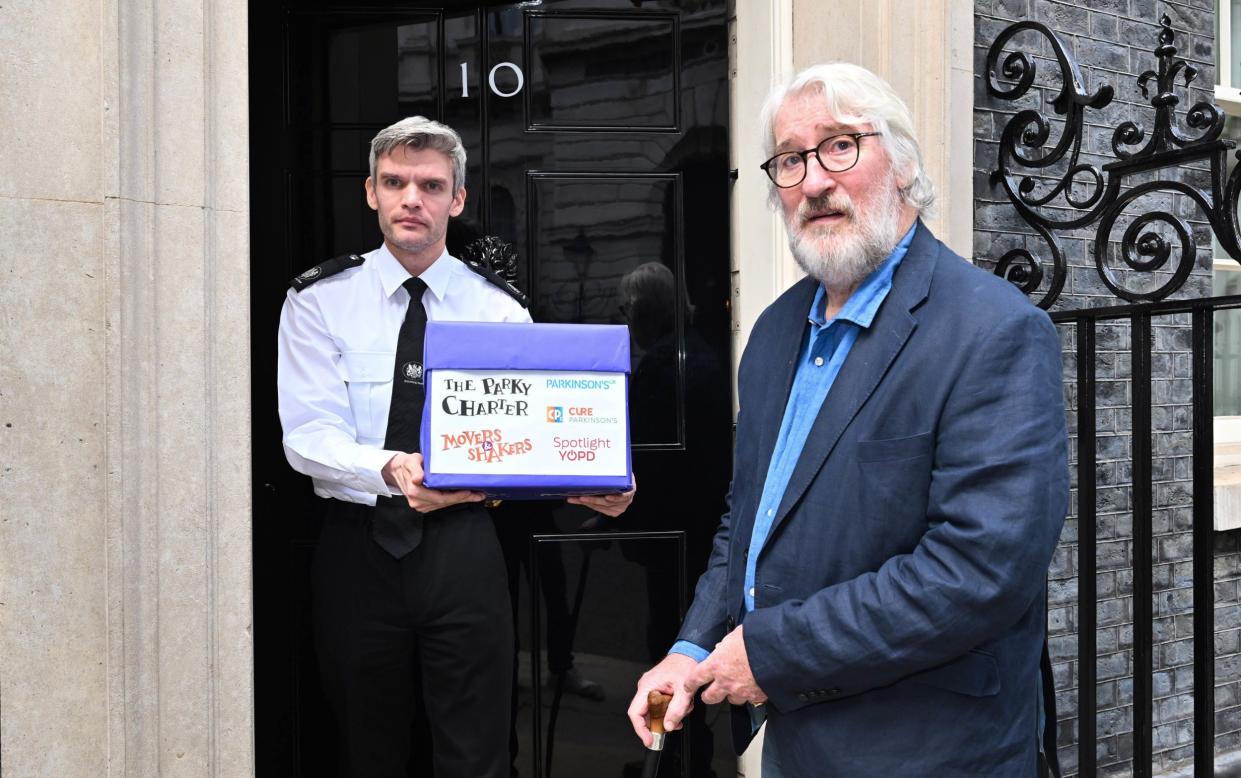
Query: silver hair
pixel 419 132
pixel 655 283
pixel 855 96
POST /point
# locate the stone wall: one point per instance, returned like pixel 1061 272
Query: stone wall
pixel 1112 41
pixel 125 634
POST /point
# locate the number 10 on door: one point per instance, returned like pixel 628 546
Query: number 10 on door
pixel 491 79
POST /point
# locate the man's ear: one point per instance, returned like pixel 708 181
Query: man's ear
pixel 371 200
pixel 905 178
pixel 458 202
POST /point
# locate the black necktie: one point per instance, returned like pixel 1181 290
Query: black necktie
pixel 397 527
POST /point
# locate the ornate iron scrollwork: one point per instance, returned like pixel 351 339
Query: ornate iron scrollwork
pixel 496 253
pixel 1093 194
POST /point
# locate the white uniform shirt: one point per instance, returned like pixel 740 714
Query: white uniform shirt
pixel 337 353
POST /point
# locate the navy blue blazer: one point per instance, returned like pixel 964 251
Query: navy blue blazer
pixel 899 598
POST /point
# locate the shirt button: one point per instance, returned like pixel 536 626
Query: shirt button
pixel 818 361
pixel 751 592
pixel 771 511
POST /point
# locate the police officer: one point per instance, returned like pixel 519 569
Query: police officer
pixel 409 582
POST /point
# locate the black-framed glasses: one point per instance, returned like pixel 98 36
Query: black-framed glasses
pixel 835 154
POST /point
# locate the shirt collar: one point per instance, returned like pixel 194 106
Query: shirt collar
pixel 392 274
pixel 864 303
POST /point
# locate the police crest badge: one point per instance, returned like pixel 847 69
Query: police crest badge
pixel 412 372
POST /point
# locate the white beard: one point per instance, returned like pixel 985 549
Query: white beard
pixel 842 257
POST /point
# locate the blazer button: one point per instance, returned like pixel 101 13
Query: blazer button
pixel 802 696
pixel 833 692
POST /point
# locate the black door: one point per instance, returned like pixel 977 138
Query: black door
pixel 598 147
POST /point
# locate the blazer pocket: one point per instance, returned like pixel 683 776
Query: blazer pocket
pixel 893 449
pixel 975 674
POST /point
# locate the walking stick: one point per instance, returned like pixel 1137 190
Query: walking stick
pixel 657 706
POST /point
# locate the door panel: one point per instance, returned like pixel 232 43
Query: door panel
pixel 579 262
pixel 361 69
pixel 576 86
pixel 597 138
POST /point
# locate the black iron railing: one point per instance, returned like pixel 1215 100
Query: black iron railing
pixel 1141 319
pixel 1053 189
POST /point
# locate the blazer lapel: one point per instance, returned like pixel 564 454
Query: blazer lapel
pixel 868 361
pixel 779 367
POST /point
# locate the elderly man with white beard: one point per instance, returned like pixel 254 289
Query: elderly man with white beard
pixel 875 593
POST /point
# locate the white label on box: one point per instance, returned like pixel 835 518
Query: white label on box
pixel 526 422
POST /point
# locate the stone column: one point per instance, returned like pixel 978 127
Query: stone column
pixel 760 54
pixel 125 593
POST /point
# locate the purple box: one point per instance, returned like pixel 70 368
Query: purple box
pixel 527 411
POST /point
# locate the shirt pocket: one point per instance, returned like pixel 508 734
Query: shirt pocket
pixel 368 377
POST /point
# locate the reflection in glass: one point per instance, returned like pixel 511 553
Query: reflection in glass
pixel 1227 345
pixel 624 602
pixel 589 232
pixel 582 64
pixel 416 62
pixel 374 70
pixel 649 304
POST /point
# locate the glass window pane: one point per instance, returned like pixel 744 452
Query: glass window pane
pixel 1227 346
pixel 1236 42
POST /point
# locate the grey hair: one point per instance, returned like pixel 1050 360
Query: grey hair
pixel 655 283
pixel 419 132
pixel 855 96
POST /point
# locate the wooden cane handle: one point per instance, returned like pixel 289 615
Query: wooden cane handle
pixel 657 706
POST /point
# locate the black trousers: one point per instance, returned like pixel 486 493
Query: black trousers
pixel 435 624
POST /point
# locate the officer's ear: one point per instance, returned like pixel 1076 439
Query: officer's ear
pixel 458 202
pixel 371 200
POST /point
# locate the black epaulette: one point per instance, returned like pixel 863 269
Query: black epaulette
pixel 325 269
pixel 497 280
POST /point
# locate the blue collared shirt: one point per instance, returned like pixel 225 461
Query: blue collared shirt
pixel 825 347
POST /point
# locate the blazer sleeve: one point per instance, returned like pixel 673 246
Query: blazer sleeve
pixel 705 622
pixel 997 500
